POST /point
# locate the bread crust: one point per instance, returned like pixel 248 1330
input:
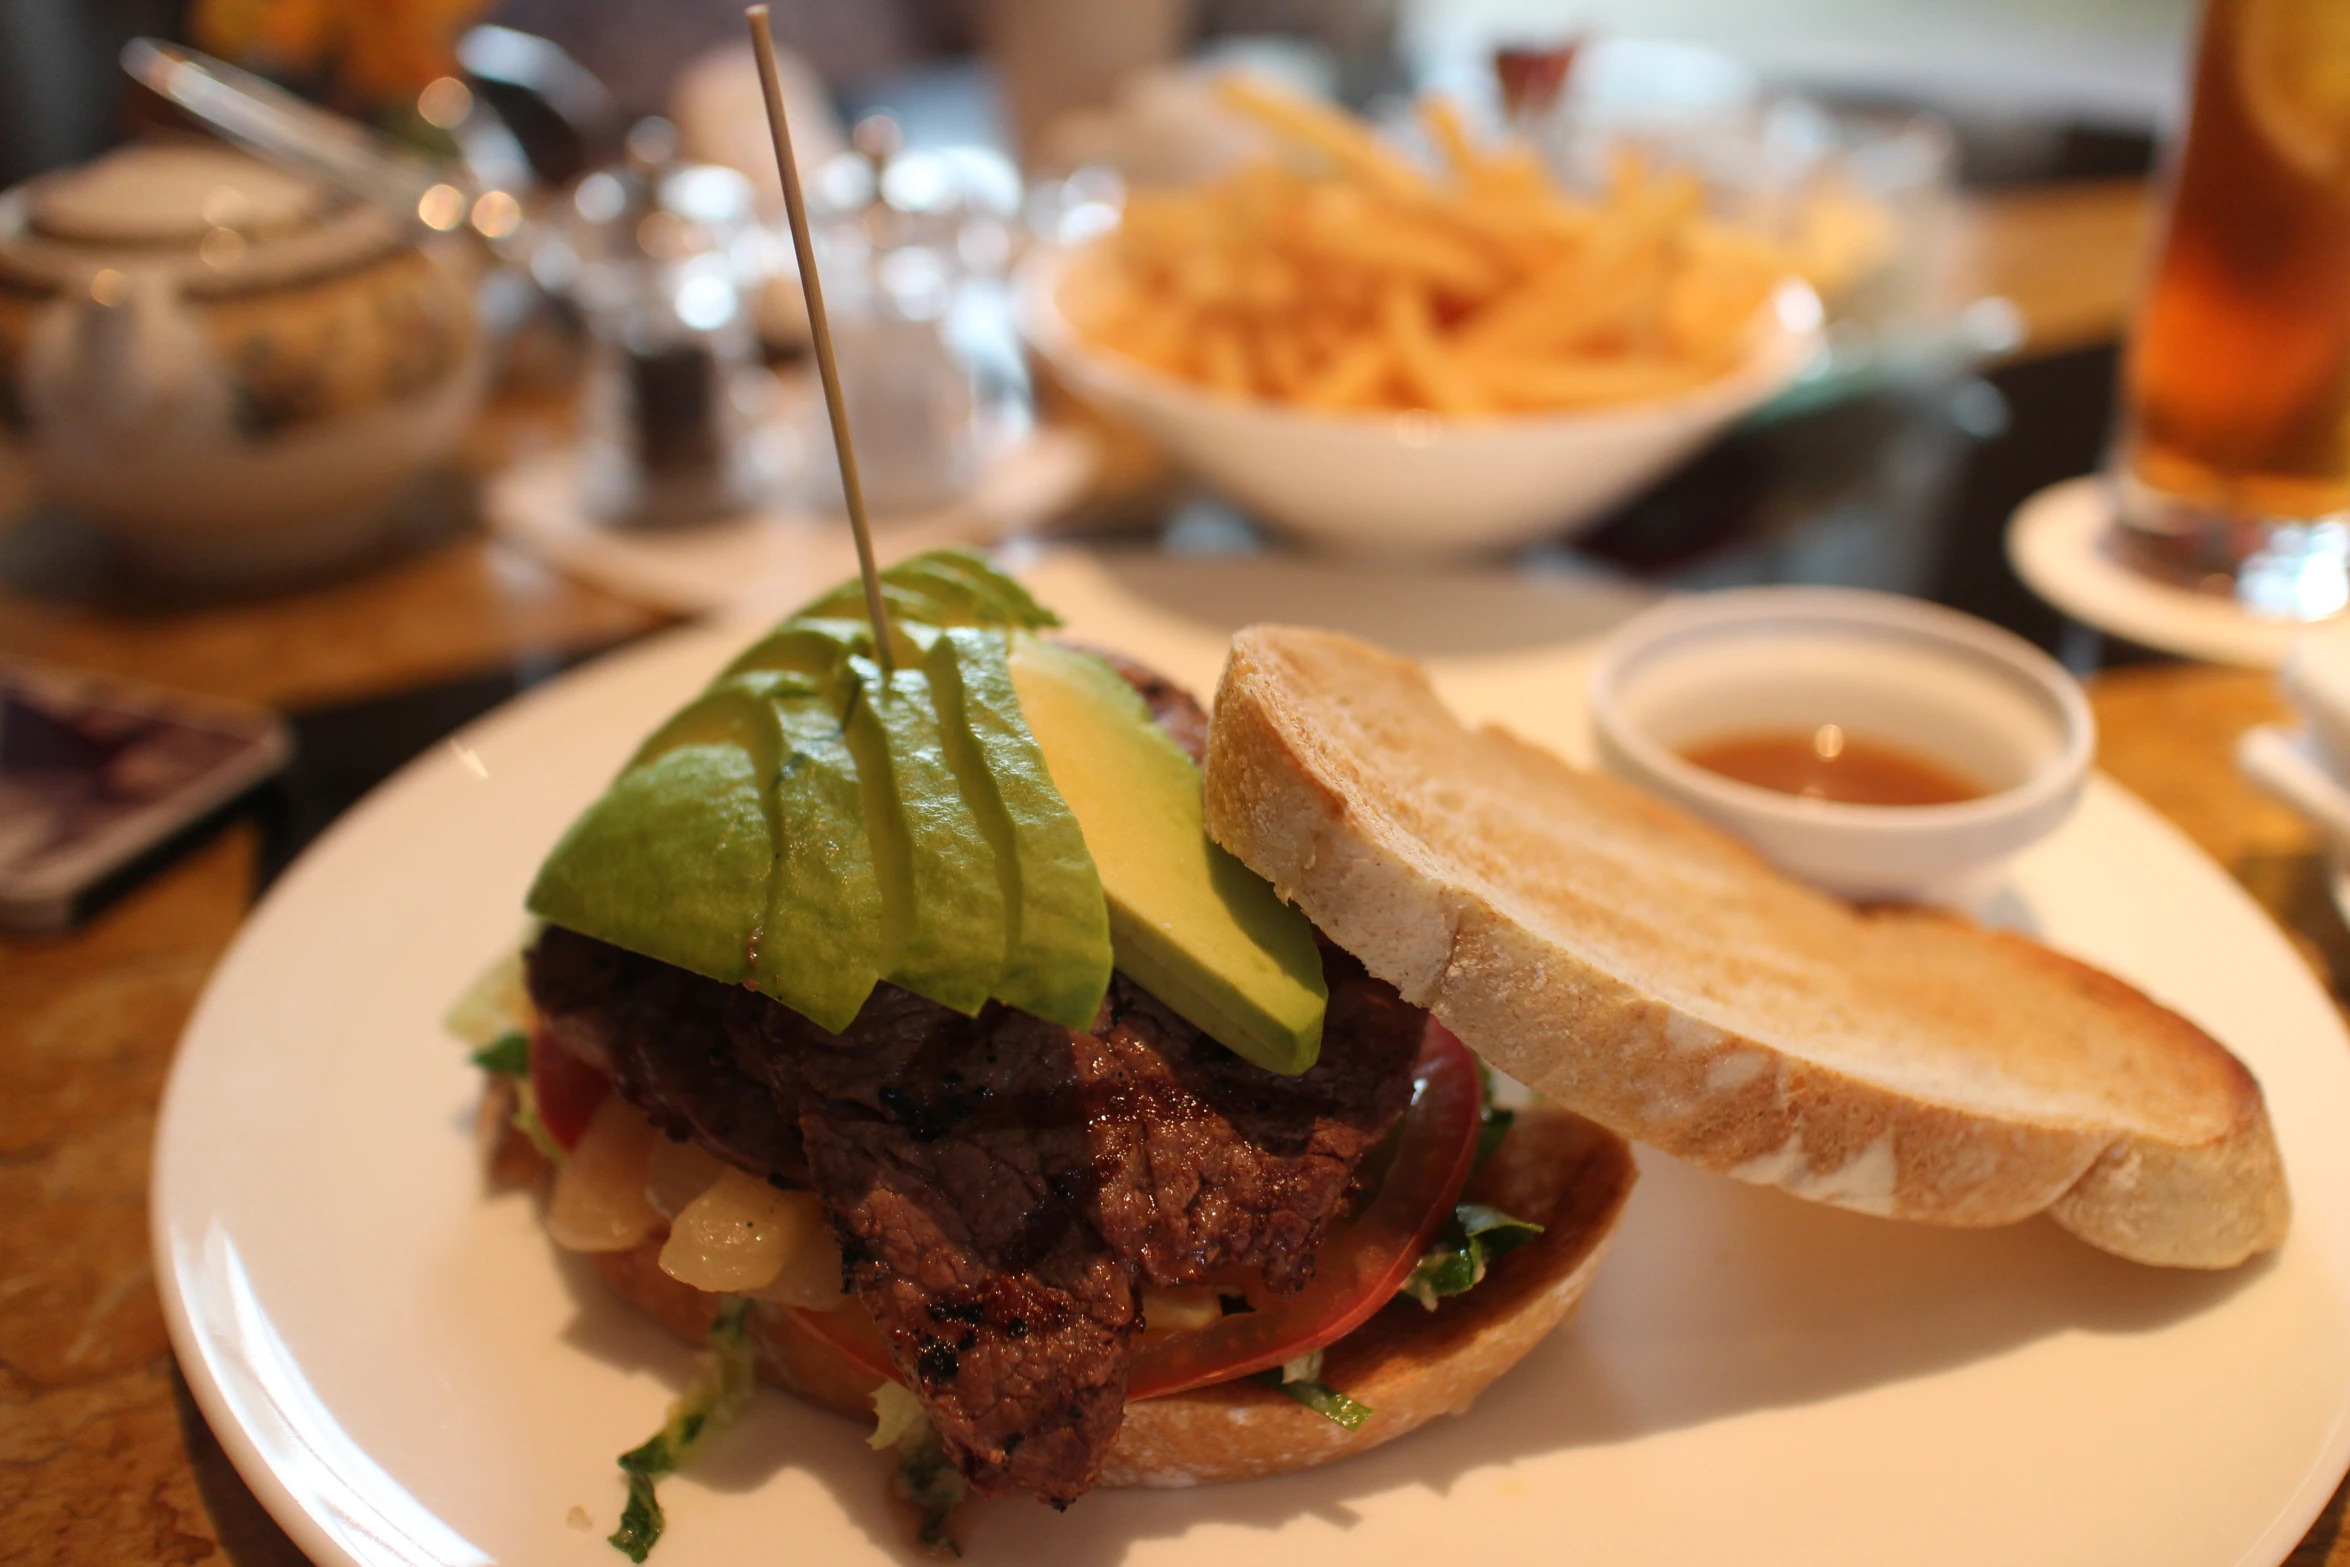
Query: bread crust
pixel 1408 1364
pixel 1455 865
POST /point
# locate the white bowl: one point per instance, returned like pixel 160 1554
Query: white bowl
pixel 1411 483
pixel 1938 684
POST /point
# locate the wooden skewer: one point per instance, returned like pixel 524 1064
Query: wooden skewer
pixel 820 329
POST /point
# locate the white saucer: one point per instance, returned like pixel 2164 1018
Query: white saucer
pixel 771 558
pixel 2056 542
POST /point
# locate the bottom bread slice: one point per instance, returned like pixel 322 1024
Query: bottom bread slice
pixel 1408 1364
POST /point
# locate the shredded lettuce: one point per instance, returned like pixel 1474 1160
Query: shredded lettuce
pixel 508 1055
pixel 722 1383
pixel 925 1481
pixel 1465 1247
pixel 527 1122
pixel 897 1414
pixel 494 1016
pixel 1475 1234
pixel 497 1002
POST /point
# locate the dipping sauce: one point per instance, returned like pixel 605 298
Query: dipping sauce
pixel 1828 764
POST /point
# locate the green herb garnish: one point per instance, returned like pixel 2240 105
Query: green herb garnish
pixel 925 1480
pixel 1301 1379
pixel 721 1387
pixel 1468 1243
pixel 508 1055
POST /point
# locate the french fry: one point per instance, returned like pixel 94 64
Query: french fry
pixel 1352 380
pixel 1349 279
pixel 1442 119
pixel 1340 139
pixel 1269 284
pixel 1223 359
pixel 1408 324
pixel 1282 356
pixel 1350 231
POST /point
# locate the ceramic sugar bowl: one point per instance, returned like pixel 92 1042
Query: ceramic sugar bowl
pixel 233 373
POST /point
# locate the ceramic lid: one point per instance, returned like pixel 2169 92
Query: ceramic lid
pixel 210 217
pixel 172 193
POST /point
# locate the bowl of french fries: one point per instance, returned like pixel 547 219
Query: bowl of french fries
pixel 1378 357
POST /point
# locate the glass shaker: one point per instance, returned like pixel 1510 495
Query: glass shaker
pixel 672 428
pixel 915 247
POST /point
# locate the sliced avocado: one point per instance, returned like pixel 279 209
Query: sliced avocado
pixel 810 828
pixel 816 648
pixel 816 949
pixel 1057 948
pixel 1190 923
pixel 960 576
pixel 674 860
pixel 938 588
pixel 946 939
pixel 942 902
pixel 904 604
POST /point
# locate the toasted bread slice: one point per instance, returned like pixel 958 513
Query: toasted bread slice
pixel 1650 972
pixel 1408 1364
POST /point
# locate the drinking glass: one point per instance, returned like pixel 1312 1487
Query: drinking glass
pixel 2232 462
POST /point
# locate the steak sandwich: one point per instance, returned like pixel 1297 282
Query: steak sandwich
pixel 949 1046
pixel 903 1034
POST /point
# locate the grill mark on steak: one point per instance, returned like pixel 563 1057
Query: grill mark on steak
pixel 1001 1185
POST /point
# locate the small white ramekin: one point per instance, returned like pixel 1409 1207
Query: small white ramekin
pixel 1941 685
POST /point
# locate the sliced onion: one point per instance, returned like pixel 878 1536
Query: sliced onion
pixel 743 1236
pixel 677 1174
pixel 1173 1310
pixel 599 1199
pixel 811 1275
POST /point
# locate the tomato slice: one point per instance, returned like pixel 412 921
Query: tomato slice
pixel 1363 1261
pixel 849 1328
pixel 565 1089
pixel 1361 1264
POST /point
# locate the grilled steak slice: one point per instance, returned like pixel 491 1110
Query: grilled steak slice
pixel 953 1156
pixel 1001 1183
pixel 658 1032
pixel 1205 1161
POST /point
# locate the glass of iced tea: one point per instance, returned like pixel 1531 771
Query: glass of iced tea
pixel 2233 462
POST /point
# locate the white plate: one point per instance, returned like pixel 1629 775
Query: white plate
pixel 406 1372
pixel 2057 542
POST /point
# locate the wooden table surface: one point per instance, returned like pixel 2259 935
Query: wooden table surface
pixel 102 1456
